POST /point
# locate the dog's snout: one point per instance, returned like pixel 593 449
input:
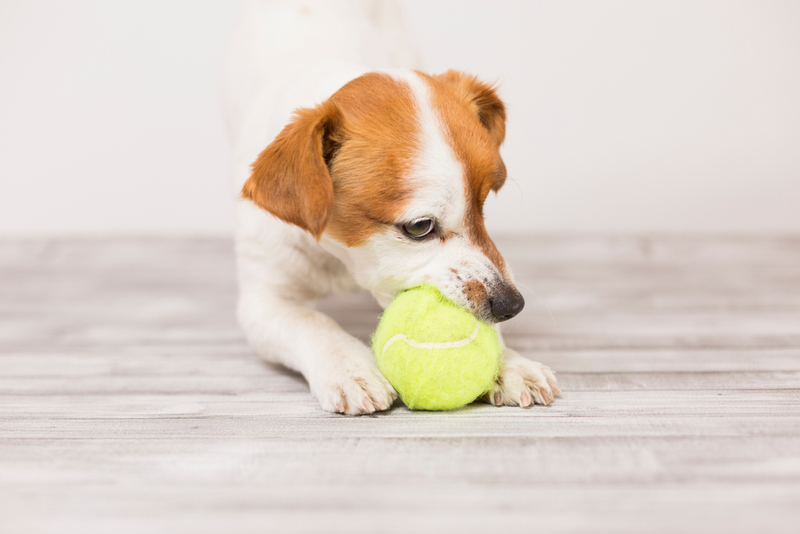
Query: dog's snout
pixel 506 302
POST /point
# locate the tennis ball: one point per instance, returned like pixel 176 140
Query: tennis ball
pixel 437 355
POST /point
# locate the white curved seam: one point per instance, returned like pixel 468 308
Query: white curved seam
pixel 443 345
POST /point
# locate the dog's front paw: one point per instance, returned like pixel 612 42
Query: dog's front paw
pixel 522 382
pixel 354 386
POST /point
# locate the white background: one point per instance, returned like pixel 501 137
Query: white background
pixel 623 116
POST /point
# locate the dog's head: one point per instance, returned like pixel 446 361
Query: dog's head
pixel 390 175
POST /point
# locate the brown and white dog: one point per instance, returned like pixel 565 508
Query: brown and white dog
pixel 372 178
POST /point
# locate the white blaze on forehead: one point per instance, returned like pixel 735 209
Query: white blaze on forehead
pixel 436 176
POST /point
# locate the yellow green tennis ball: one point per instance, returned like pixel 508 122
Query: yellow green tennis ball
pixel 437 355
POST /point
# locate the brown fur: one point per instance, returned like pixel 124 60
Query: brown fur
pixel 481 99
pixel 340 167
pixel 290 179
pixel 376 150
pixel 475 291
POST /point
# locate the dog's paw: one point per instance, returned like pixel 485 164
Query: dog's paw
pixel 354 386
pixel 522 382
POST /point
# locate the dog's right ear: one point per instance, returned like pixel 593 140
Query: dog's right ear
pixel 483 100
pixel 290 178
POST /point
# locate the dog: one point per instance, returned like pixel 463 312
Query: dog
pixel 355 170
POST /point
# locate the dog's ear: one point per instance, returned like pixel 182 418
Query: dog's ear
pixel 482 99
pixel 290 178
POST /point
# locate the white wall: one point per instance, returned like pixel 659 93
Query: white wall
pixel 639 115
pixel 110 117
pixel 623 116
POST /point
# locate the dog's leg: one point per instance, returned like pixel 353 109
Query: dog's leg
pixel 340 369
pixel 522 382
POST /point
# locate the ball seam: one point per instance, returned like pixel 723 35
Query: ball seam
pixel 434 346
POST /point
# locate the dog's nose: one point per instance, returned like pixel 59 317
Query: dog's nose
pixel 506 302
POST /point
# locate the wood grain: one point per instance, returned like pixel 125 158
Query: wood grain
pixel 129 401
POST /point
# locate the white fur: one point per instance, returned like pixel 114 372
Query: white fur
pixel 284 56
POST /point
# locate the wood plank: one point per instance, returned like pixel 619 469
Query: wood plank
pixel 251 506
pixel 266 414
pixel 238 360
pixel 230 385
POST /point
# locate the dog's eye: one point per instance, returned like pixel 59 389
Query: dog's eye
pixel 418 228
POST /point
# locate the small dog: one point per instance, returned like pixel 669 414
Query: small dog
pixel 373 176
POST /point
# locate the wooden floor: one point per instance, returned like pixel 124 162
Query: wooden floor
pixel 130 403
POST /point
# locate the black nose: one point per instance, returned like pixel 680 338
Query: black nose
pixel 506 302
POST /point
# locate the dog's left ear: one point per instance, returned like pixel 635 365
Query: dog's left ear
pixel 290 178
pixel 482 99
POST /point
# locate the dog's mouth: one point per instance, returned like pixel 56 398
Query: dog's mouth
pixel 483 312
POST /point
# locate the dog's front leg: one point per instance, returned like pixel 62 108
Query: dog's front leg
pixel 340 369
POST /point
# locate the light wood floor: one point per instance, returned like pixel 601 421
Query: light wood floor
pixel 129 401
